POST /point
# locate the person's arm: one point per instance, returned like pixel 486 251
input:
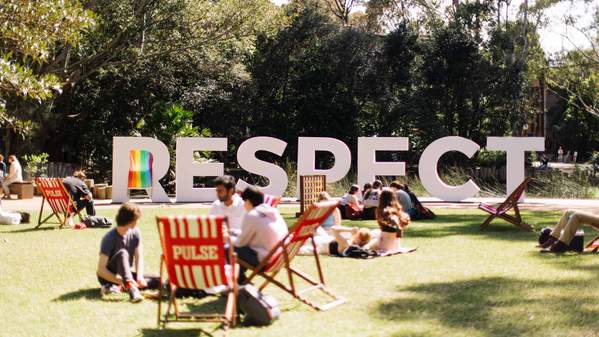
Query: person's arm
pixel 247 233
pixel 106 274
pixel 139 266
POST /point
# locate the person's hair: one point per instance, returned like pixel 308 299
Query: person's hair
pixel 388 207
pixel 377 184
pixel 227 181
pixel 323 196
pixel 254 195
pixel 80 174
pixel 397 185
pixel 361 237
pixel 127 213
pixel 353 189
pixel 367 186
pixel 12 156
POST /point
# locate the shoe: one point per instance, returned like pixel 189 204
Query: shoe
pixel 548 243
pixel 216 290
pixel 135 295
pixel 557 248
pixel 109 289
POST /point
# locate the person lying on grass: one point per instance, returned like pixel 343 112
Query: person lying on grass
pixel 561 236
pixel 121 247
pixel 392 221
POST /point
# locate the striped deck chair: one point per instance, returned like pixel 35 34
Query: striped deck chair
pixel 140 171
pixel 272 200
pixel 501 211
pixel 269 199
pixel 281 256
pixel 194 257
pixel 60 201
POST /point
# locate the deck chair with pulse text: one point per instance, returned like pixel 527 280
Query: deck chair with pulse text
pixel 194 257
pixel 60 201
pixel 280 258
pixel 511 202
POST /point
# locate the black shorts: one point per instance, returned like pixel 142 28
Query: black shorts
pixel 334 248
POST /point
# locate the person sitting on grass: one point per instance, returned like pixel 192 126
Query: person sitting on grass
pixel 228 203
pixel 561 236
pixel 332 220
pixel 262 228
pixel 121 250
pixel 80 193
pixel 365 191
pixel 404 199
pixel 351 203
pixel 392 222
pixel 371 200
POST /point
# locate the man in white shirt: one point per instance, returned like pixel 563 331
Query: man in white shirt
pixel 15 175
pixel 228 203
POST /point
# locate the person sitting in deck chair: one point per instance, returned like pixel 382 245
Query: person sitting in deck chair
pixel 563 233
pixel 262 228
pixel 228 203
pixel 121 250
pixel 15 175
pixel 79 192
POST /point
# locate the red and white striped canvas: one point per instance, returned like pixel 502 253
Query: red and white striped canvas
pixel 193 249
pixel 271 200
pixel 55 194
pixel 304 228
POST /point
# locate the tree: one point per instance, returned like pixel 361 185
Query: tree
pixel 30 32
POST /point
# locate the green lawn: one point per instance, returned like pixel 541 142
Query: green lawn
pixel 460 282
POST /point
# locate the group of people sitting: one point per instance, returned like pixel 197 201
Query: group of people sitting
pixel 255 229
pixel 356 204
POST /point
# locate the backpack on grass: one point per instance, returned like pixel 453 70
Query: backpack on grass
pixel 259 309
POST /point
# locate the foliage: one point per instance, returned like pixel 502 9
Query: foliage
pixel 34 164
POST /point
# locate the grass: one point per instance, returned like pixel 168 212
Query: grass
pixel 460 282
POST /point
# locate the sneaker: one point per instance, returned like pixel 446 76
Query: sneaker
pixel 216 290
pixel 109 289
pixel 134 295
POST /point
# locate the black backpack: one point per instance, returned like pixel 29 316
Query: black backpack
pixel 358 252
pixel 259 309
pixel 97 222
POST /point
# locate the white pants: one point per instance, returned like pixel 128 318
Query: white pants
pixel 6 182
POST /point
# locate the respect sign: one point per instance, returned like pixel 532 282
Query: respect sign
pixel 368 167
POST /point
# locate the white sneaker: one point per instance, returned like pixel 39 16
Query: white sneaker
pixel 216 290
pixel 134 295
pixel 109 289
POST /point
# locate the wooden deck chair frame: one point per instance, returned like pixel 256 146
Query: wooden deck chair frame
pixel 280 258
pixel 593 245
pixel 59 199
pixel 269 199
pixel 206 224
pixel 511 202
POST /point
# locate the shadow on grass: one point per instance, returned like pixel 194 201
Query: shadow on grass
pixel 29 229
pixel 496 306
pixel 177 333
pixel 92 294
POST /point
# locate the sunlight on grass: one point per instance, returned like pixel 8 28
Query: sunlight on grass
pixel 460 282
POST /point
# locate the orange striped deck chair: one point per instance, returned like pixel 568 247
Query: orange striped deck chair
pixel 280 258
pixel 60 201
pixel 194 257
pixel 140 170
